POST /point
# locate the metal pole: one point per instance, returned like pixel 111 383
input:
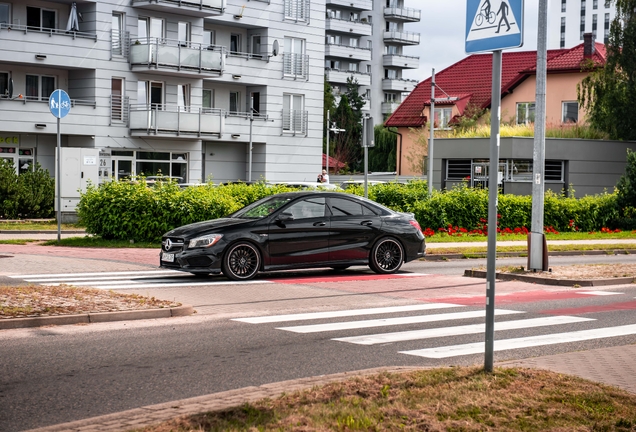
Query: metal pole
pixel 495 119
pixel 535 256
pixel 58 176
pixel 328 132
pixel 429 172
pixel 366 156
pixel 249 176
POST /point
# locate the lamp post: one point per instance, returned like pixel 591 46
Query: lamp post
pixel 429 174
pixel 335 130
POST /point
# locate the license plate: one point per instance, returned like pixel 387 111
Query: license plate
pixel 167 257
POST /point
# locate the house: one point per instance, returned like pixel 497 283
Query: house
pixel 465 87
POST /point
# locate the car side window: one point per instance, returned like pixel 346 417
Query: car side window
pixel 308 208
pixel 345 207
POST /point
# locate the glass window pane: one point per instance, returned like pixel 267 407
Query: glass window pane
pixel 153 168
pixel 180 170
pixel 142 95
pixel 4 83
pixel 48 19
pixel 48 86
pixel 4 14
pixel 142 30
pixel 32 86
pixel 154 156
pixel 345 207
pixel 33 17
pixel 207 98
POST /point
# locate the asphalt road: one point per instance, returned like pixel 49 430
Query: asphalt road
pixel 59 374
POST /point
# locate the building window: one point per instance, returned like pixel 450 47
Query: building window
pixel 208 99
pixel 40 19
pixel 606 27
pixel 150 30
pixel 117 33
pixel 183 97
pixel 353 42
pixel 22 158
pixel 39 87
pixel 117 99
pixel 368 68
pixel 235 98
pixel 442 117
pixel 390 97
pixel 256 47
pixel 167 164
pixel 297 10
pixel 294 117
pixel 183 33
pixel 563 3
pixel 295 62
pixel 353 67
pixel 458 169
pixel 150 93
pixel 4 84
pixel 208 38
pixel 594 4
pixel 562 42
pixel 333 39
pixel 5 13
pixel 570 112
pixel 235 43
pixel 594 24
pixel 332 64
pixel 607 4
pixel 525 112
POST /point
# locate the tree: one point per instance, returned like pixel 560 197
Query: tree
pixel 382 157
pixel 608 94
pixel 626 187
pixel 329 107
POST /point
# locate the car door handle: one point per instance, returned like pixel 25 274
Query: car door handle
pixel 319 223
pixel 366 223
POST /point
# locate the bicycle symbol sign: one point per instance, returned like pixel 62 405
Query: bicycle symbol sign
pixel 59 103
pixel 493 25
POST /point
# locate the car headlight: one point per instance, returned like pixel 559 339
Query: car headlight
pixel 204 241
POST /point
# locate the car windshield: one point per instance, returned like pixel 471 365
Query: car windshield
pixel 262 208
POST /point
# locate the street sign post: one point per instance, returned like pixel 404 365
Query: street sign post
pixel 60 106
pixel 493 25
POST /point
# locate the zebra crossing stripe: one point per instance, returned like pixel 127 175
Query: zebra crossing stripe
pixel 344 313
pixel 36 277
pixel 137 285
pixel 383 338
pixel 598 293
pixel 525 342
pixel 349 325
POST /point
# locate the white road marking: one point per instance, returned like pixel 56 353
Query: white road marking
pixel 122 273
pixel 459 330
pixel 598 293
pixel 106 278
pixel 345 313
pixel 348 325
pixel 525 342
pixel 136 285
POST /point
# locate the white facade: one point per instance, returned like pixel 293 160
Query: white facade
pixel 176 87
pixel 366 40
pixel 569 19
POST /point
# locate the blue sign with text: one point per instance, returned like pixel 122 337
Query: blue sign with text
pixel 493 25
pixel 59 103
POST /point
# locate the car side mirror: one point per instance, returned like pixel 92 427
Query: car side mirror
pixel 284 217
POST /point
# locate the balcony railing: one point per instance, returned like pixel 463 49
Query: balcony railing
pixel 401 61
pixel 352 4
pixel 348 52
pixel 297 10
pixel 119 109
pixel 296 66
pixel 119 43
pixel 409 38
pixel 402 14
pixel 45 99
pixel 398 84
pixel 164 53
pixel 175 120
pixel 49 31
pixel 295 122
pixel 348 26
pixel 200 8
pixel 342 76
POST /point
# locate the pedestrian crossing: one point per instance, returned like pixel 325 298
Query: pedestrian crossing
pixel 129 279
pixel 436 337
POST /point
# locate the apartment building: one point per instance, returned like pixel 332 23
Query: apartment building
pixel 570 19
pixel 366 40
pixel 195 89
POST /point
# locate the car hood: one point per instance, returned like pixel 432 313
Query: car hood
pixel 202 228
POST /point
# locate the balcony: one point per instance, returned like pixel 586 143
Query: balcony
pixel 197 8
pixel 174 121
pixel 237 125
pixel 348 52
pixel 296 66
pixel 55 47
pixel 400 61
pixel 357 28
pixel 353 4
pixel 404 38
pixel 398 84
pixel 177 58
pixel 402 14
pixel 389 107
pixel 337 76
pixel 22 114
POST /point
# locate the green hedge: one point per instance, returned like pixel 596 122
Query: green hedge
pixel 28 195
pixel 135 211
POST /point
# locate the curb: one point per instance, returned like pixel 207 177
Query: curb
pixel 549 281
pixel 97 317
pixel 432 256
pixel 41 232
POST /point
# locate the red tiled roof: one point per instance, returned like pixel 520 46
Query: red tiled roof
pixel 470 79
pixel 333 162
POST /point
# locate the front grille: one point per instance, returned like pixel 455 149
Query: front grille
pixel 172 244
pixel 201 261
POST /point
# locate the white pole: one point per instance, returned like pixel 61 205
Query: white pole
pixel 429 174
pixel 328 132
pixel 249 176
pixel 58 176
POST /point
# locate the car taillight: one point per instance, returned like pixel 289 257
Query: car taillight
pixel 415 224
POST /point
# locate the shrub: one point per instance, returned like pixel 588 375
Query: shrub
pixel 28 195
pixel 626 186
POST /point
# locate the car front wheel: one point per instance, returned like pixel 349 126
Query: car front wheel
pixel 241 261
pixel 387 256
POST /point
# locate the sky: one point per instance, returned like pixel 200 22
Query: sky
pixel 442 30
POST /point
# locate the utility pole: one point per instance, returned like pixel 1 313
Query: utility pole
pixel 334 129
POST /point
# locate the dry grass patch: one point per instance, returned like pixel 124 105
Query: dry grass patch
pixel 445 399
pixel 583 271
pixel 23 301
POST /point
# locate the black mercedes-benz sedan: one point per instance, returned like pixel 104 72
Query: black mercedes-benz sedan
pixel 296 230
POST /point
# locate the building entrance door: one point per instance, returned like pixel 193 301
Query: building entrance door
pixel 122 167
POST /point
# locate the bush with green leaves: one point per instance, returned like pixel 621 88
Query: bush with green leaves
pixel 28 195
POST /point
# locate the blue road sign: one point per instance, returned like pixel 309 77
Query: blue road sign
pixel 493 25
pixel 59 103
